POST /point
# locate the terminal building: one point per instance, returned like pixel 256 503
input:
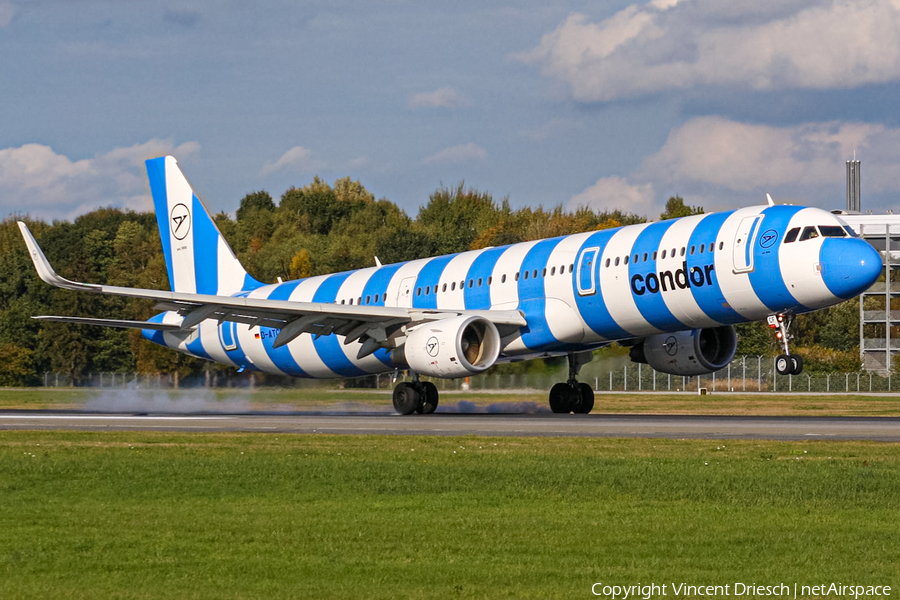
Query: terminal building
pixel 879 306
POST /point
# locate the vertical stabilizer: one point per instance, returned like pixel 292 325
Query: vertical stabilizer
pixel 198 258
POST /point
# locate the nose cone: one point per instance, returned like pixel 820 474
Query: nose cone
pixel 851 266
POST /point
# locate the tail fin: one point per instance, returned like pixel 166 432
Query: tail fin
pixel 198 258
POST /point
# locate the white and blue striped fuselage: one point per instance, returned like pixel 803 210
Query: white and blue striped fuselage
pixel 576 292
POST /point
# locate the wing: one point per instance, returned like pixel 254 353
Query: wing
pixel 375 326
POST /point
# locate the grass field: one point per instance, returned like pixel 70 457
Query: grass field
pixel 153 515
pixel 243 400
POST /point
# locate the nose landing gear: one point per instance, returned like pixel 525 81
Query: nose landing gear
pixel 787 363
pixel 573 396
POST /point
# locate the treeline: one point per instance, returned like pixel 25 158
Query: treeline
pixel 313 230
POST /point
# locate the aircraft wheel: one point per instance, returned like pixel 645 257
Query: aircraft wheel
pixel 784 365
pixel 561 398
pixel 585 403
pixel 428 393
pixel 796 364
pixel 406 398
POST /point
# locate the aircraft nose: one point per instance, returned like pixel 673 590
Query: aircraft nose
pixel 851 266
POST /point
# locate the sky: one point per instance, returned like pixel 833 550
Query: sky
pixel 609 105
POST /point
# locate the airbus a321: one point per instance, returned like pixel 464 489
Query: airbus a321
pixel 671 290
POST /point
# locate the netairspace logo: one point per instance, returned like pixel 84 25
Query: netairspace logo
pixel 784 590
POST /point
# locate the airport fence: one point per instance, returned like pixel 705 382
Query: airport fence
pixel 744 374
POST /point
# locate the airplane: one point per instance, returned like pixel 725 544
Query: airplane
pixel 671 290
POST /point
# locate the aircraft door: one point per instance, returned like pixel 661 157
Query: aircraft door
pixel 743 244
pixel 404 294
pixel 586 272
pixel 228 335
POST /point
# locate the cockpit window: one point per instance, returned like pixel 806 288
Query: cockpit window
pixel 832 231
pixel 850 231
pixel 792 235
pixel 808 233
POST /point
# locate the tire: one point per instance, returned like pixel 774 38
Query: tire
pixel 797 364
pixel 560 398
pixel 585 403
pixel 784 365
pixel 429 397
pixel 406 399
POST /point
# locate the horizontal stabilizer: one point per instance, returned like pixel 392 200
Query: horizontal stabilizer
pixel 124 324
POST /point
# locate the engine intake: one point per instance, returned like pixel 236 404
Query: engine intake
pixel 455 347
pixel 694 352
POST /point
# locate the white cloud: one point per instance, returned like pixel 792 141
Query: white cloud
pixel 36 181
pixel 445 97
pixel 719 164
pixel 741 157
pixel 611 193
pixel 7 12
pixel 457 154
pixel 298 159
pixel 666 45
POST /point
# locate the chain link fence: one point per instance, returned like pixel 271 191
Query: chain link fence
pixel 744 374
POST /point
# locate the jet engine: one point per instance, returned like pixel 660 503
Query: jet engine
pixel 694 352
pixel 450 348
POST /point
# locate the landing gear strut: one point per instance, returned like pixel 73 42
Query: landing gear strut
pixel 787 363
pixel 415 397
pixel 573 396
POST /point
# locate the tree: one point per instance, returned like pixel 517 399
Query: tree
pixel 675 208
pixel 256 201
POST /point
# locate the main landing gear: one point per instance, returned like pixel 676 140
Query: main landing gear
pixel 787 363
pixel 415 397
pixel 573 396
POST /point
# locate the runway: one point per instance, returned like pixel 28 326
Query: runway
pixel 885 429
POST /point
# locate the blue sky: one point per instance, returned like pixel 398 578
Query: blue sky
pixel 609 105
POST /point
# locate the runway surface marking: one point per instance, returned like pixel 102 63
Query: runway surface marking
pixel 595 425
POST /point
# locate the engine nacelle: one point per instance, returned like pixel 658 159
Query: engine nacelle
pixel 449 348
pixel 694 352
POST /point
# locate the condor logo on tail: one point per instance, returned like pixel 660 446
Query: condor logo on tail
pixel 666 280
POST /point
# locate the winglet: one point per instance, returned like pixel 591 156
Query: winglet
pixel 769 198
pixel 45 271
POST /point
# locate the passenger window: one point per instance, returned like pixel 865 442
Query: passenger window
pixel 427 291
pixel 526 274
pixel 832 231
pixel 636 257
pixel 792 235
pixel 517 276
pixel 470 283
pixel 544 272
pixel 607 262
pixel 479 281
pixel 453 286
pixel 444 288
pixel 490 279
pixel 721 245
pixel 808 233
pixel 503 278
pixel 571 268
pixel 702 247
pixel 553 270
pixel 645 257
pixel 692 250
pixel 368 299
pixel 617 261
pixel 664 254
pixel 626 260
pixel 682 251
pixel 654 255
pixel 418 291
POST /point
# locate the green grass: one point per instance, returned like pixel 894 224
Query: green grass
pixel 153 515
